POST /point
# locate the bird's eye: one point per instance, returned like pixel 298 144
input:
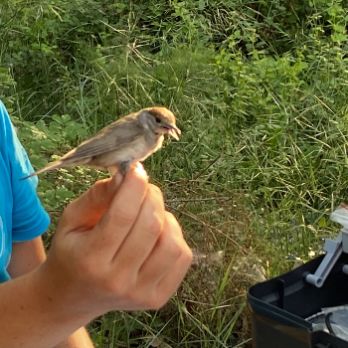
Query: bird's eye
pixel 158 120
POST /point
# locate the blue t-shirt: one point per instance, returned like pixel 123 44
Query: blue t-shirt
pixel 22 216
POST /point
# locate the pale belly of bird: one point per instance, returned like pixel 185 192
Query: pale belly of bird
pixel 137 151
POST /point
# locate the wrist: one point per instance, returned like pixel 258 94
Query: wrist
pixel 56 295
pixel 36 313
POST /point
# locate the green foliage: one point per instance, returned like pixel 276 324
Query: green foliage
pixel 260 91
pixel 42 141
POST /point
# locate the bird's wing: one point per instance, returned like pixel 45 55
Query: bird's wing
pixel 110 138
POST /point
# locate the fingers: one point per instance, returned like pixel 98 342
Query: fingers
pixel 144 234
pixel 119 219
pixel 165 253
pixel 159 276
pixel 171 280
pixel 85 211
pixel 131 254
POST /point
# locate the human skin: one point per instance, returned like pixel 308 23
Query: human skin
pixel 26 256
pixel 115 248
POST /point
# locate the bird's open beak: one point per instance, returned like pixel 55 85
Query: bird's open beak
pixel 175 132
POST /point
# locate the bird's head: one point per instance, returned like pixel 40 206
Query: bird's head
pixel 159 120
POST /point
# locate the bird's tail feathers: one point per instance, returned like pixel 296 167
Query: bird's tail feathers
pixel 49 167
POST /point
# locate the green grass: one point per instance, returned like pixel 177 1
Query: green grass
pixel 259 90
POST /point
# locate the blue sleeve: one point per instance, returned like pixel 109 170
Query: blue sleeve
pixel 29 219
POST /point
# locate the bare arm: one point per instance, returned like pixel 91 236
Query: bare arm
pixel 33 315
pixel 25 258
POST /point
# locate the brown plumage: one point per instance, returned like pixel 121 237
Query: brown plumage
pixel 130 139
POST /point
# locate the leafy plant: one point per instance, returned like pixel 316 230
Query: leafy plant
pixel 259 89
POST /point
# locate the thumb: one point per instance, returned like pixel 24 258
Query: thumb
pixel 85 211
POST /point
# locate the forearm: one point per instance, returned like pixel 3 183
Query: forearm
pixel 26 257
pixel 34 315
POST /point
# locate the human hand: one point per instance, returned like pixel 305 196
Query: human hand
pixel 116 248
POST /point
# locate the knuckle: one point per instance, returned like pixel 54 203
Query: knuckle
pixel 157 301
pixel 156 190
pixel 157 195
pixel 174 251
pixel 173 224
pixel 154 226
pixel 187 255
pixel 170 215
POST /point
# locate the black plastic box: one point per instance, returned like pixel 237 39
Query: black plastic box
pixel 279 307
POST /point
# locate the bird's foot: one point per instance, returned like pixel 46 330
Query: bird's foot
pixel 124 167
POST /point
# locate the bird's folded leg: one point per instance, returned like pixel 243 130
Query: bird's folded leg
pixel 124 167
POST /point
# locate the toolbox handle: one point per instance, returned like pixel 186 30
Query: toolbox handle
pixel 333 248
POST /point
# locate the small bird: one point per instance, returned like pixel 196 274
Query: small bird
pixel 130 139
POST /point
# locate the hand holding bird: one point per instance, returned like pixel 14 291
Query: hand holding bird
pixel 130 139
